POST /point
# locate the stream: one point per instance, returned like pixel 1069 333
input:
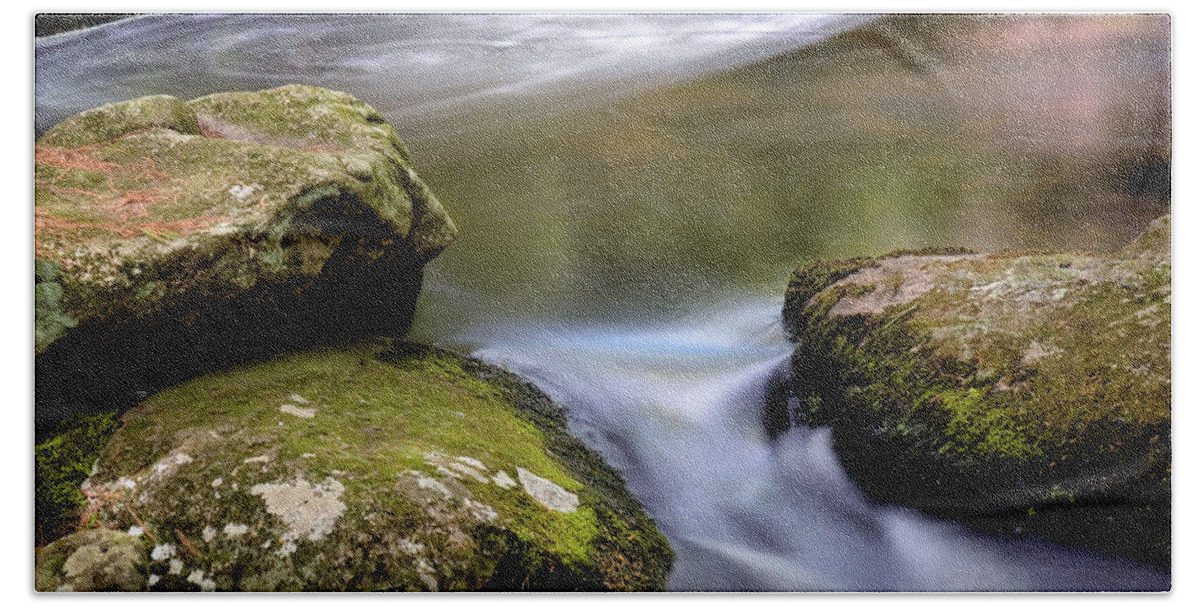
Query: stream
pixel 642 298
pixel 675 407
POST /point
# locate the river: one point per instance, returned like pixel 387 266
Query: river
pixel 632 190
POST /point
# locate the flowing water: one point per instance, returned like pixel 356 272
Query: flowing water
pixel 630 186
pixel 675 407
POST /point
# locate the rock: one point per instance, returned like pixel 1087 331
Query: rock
pixel 92 560
pixel 110 122
pixel 383 488
pixel 1020 393
pixel 61 465
pixel 550 494
pixel 176 238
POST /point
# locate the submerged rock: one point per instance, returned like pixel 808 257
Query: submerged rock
pixel 174 238
pixel 401 479
pixel 1018 393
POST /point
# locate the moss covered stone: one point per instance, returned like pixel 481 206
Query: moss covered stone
pixel 369 468
pixel 173 238
pixel 92 560
pixel 116 119
pixel 1024 393
pixel 61 464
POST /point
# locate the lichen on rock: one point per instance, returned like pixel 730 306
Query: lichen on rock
pixel 92 560
pixel 308 511
pixel 548 493
pixel 1018 392
pixel 383 489
pixel 173 238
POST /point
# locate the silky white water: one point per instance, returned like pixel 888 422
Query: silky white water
pixel 670 395
pixel 675 407
pixel 425 72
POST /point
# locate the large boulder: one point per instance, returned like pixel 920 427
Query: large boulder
pixel 173 238
pixel 365 467
pixel 1020 393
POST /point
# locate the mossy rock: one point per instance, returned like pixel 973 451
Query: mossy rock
pixel 1021 393
pixel 61 465
pixel 109 122
pixel 92 560
pixel 174 238
pixel 369 468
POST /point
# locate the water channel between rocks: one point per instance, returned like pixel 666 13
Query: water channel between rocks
pixel 675 407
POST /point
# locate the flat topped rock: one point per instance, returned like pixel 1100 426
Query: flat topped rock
pixel 123 191
pixel 252 222
pixel 1021 392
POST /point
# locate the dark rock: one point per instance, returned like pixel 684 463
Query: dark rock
pixel 176 238
pixel 1013 392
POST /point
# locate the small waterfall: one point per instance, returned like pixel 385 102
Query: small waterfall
pixel 675 407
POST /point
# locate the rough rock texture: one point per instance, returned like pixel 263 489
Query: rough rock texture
pixel 61 464
pixel 1019 393
pixel 173 238
pixel 367 468
pixel 92 560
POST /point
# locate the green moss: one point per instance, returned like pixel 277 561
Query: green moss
pixel 973 379
pixel 1013 359
pixel 92 560
pixel 113 120
pixel 809 280
pixel 61 464
pixel 387 425
pixel 295 114
pixel 986 431
pixel 631 552
pixel 293 166
pixel 1011 379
